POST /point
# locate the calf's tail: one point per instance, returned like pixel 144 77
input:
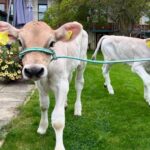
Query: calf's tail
pixel 98 47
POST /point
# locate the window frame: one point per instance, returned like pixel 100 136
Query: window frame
pixel 40 12
pixel 4 6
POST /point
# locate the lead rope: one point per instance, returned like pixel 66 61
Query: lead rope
pixel 54 57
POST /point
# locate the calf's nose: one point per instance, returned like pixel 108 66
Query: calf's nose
pixel 34 72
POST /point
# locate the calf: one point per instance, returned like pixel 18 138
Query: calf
pixel 121 47
pixel 70 39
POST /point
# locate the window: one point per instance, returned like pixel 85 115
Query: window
pixel 41 9
pixel 2 7
pixel 11 10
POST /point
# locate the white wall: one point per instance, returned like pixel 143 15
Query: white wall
pixel 35 9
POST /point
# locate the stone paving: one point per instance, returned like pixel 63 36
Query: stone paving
pixel 12 95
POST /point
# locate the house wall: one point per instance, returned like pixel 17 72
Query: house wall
pixel 35 9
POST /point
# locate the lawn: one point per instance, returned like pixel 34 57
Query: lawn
pixel 118 122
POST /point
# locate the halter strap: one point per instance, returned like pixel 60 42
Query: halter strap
pixel 37 49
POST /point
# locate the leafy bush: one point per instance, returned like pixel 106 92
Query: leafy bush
pixel 10 65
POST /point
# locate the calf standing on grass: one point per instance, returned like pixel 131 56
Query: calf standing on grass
pixel 121 47
pixel 70 39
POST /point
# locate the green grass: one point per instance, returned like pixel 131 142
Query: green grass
pixel 118 122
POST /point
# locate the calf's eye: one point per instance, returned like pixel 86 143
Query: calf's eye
pixel 19 42
pixel 52 43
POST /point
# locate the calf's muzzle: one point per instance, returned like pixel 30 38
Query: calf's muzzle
pixel 34 71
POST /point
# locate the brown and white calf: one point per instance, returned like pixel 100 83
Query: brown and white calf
pixel 52 75
pixel 121 47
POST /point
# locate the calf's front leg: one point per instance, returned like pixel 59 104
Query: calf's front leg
pixel 79 83
pixel 44 105
pixel 58 114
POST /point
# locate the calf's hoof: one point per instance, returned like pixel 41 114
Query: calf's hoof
pixel 148 101
pixel 78 109
pixel 59 148
pixel 111 92
pixel 42 129
pixel 66 105
pixel 105 86
pixel 77 112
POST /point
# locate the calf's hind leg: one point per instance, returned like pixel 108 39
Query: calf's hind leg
pixel 69 79
pixel 107 83
pixel 140 70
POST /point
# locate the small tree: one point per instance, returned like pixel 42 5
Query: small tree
pixel 82 11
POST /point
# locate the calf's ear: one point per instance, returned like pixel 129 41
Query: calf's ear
pixel 68 31
pixel 147 42
pixel 6 28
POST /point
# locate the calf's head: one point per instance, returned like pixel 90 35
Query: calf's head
pixel 39 34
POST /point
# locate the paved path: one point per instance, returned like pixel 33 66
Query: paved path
pixel 12 95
